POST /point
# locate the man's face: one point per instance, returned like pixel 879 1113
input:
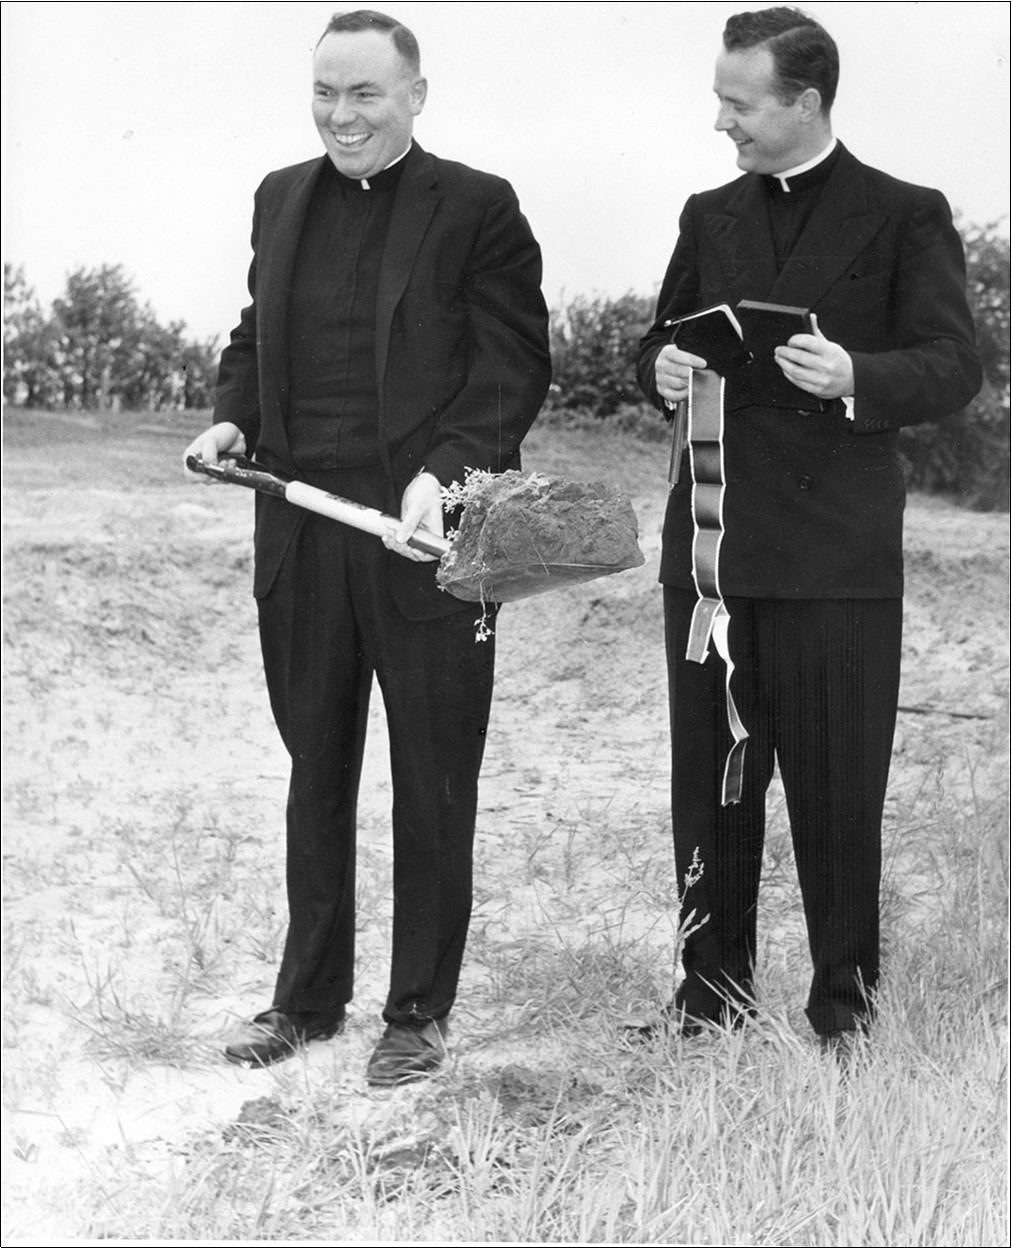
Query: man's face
pixel 770 136
pixel 365 100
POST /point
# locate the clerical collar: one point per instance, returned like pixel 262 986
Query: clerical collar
pixel 387 177
pixel 385 180
pixel 792 179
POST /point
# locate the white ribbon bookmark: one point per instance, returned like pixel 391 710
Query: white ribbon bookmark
pixel 710 618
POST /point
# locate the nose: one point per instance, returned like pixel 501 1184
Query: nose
pixel 341 113
pixel 724 119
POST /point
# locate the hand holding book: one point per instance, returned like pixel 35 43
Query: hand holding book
pixel 710 339
pixel 814 364
pixel 673 373
pixel 776 355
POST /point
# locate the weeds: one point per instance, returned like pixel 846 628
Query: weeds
pixel 737 1137
pixel 126 1030
pixel 140 922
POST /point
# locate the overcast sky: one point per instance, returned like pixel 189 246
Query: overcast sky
pixel 136 134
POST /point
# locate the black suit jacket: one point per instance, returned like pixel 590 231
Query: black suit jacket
pixel 814 501
pixel 461 355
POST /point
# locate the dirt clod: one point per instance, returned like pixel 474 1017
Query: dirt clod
pixel 522 535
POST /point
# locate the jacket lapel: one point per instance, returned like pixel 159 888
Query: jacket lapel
pixel 281 228
pixel 414 205
pixel 840 227
pixel 742 239
pixel 838 230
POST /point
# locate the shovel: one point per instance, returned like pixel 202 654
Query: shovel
pixel 518 536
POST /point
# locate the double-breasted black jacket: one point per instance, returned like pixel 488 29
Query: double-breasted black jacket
pixel 814 501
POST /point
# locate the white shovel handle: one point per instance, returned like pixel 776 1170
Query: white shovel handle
pixel 311 498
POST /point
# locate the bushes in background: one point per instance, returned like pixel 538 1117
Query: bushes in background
pixel 99 348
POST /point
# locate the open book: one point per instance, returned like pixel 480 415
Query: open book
pixel 741 341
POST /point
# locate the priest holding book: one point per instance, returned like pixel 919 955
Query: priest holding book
pixel 811 308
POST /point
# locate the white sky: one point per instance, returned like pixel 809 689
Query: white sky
pixel 135 134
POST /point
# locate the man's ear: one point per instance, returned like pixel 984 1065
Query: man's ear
pixel 419 90
pixel 810 103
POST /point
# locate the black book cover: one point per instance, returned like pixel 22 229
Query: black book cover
pixel 764 327
pixel 714 334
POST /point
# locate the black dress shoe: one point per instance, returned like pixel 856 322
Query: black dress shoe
pixel 842 1044
pixel 273 1035
pixel 674 1022
pixel 666 1026
pixel 406 1052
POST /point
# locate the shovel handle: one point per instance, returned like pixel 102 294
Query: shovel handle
pixel 239 471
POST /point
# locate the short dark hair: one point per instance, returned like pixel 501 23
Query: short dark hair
pixel 804 53
pixel 369 19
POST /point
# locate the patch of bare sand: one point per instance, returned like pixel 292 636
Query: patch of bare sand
pixel 144 790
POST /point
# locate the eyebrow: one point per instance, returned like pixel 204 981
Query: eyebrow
pixel 355 86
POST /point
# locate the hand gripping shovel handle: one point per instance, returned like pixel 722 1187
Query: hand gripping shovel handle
pixel 242 472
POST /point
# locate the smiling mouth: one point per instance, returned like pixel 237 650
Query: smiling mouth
pixel 349 140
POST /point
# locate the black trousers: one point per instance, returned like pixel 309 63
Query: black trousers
pixel 816 684
pixel 326 626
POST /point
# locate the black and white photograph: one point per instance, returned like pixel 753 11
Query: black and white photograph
pixel 506 623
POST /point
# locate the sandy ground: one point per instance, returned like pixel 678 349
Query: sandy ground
pixel 144 788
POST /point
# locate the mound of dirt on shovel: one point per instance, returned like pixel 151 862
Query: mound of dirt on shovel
pixel 522 535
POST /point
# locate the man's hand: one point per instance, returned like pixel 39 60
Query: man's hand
pixel 673 373
pixel 817 365
pixel 421 507
pixel 215 443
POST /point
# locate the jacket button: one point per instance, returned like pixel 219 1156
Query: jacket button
pixel 804 483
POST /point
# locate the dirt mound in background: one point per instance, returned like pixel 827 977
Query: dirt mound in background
pixel 522 535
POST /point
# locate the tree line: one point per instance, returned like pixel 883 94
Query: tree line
pixel 98 347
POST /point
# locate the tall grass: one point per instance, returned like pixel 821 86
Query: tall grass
pixel 752 1137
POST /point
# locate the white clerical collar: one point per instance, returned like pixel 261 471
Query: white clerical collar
pixel 365 181
pixel 809 164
